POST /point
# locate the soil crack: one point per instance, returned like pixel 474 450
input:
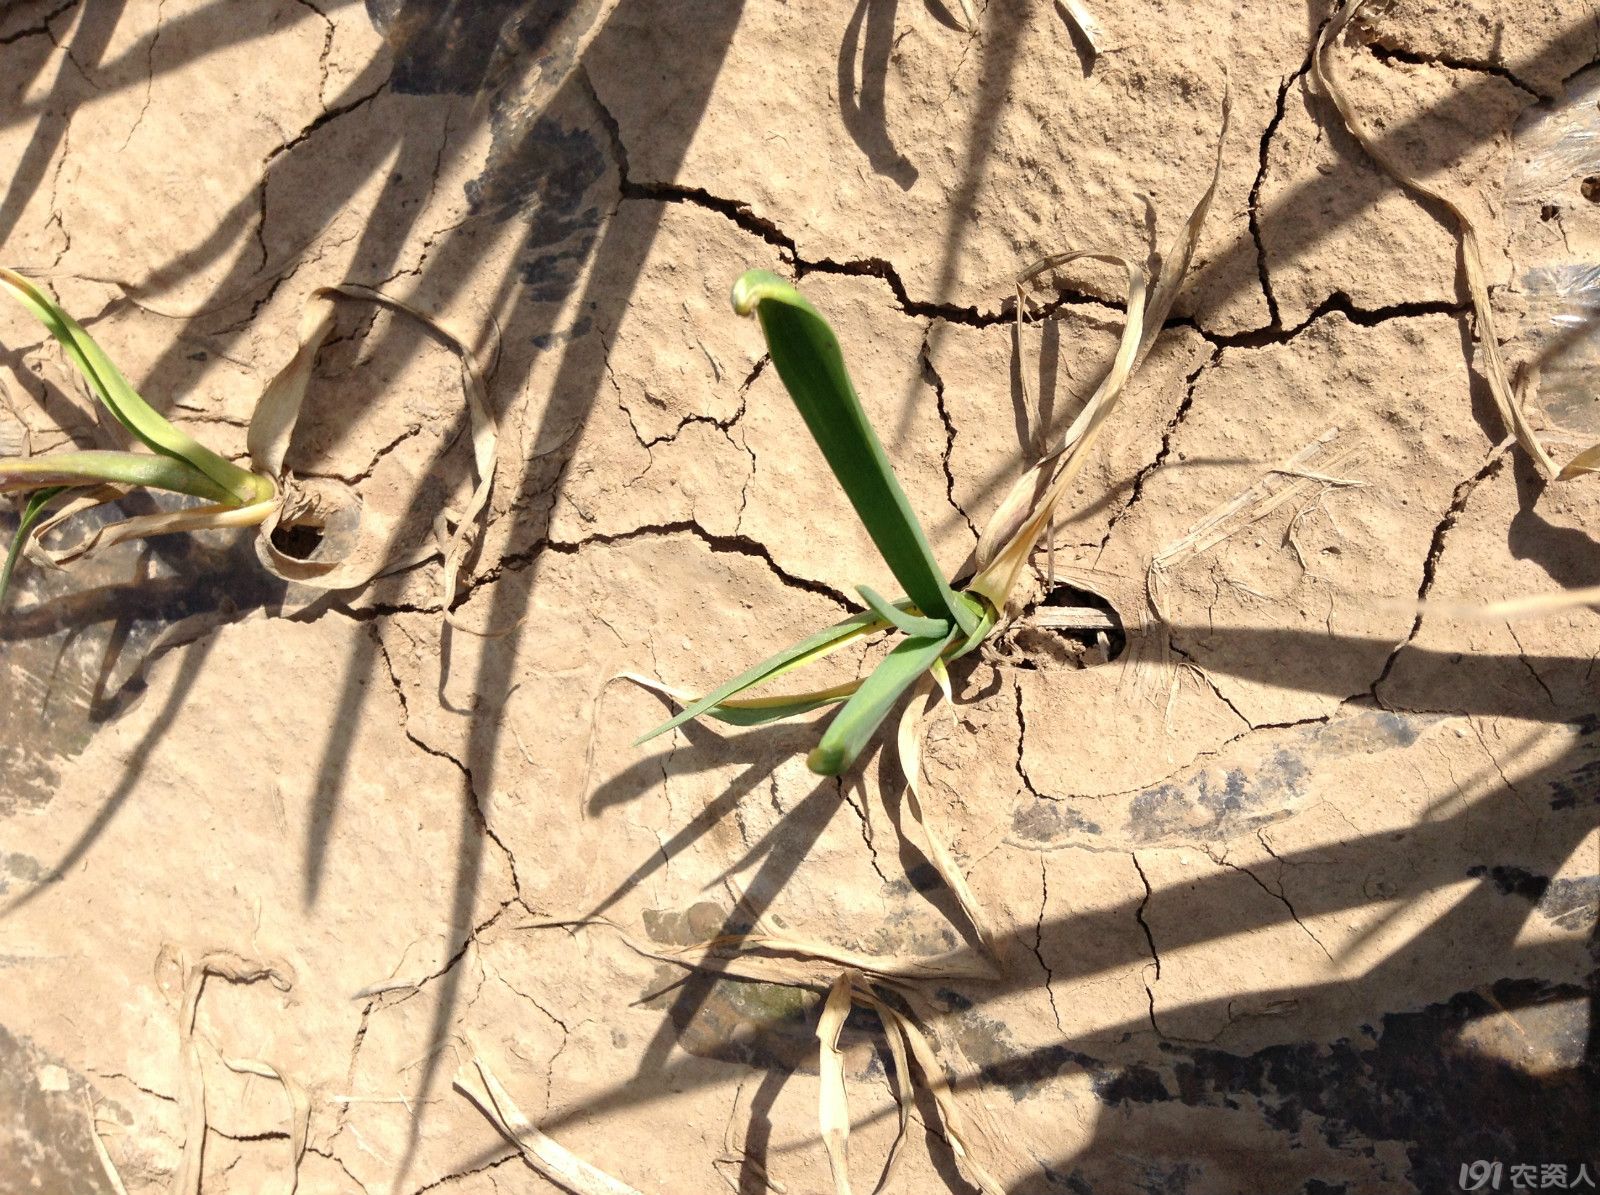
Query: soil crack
pixel 411 431
pixel 1522 656
pixel 725 425
pixel 1278 895
pixel 533 1000
pixel 55 190
pixel 328 115
pixel 1385 49
pixel 1038 942
pixel 442 1182
pixel 930 375
pixel 479 812
pixel 42 29
pixel 1198 761
pixel 1150 940
pixel 866 826
pixel 149 75
pixel 311 1147
pixel 1138 913
pixel 765 229
pixel 1511 785
pixel 1136 491
pixel 738 545
pixel 1022 738
pixel 1338 301
pixel 129 1079
pixel 1430 566
pixel 1273 315
pixel 327 47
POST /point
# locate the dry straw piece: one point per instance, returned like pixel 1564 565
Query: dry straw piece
pixel 765 957
pixel 1086 24
pixel 118 1187
pixel 1537 605
pixel 818 966
pixel 833 1107
pixel 272 427
pixel 235 968
pixel 1508 397
pixel 555 1162
pixel 907 1044
pixel 908 741
pixel 1026 513
pixel 1279 485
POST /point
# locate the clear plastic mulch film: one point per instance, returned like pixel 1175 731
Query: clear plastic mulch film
pixel 1553 191
pixel 1563 334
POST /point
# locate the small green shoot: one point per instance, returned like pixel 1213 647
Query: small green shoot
pixel 32 511
pixel 176 462
pixel 232 496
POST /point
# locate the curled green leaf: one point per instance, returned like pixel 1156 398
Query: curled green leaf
pixel 814 647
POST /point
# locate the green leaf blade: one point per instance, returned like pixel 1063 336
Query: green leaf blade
pixel 125 403
pixel 761 715
pixel 855 725
pixel 811 648
pixel 96 467
pixel 987 616
pixel 905 623
pixel 32 512
pixel 809 361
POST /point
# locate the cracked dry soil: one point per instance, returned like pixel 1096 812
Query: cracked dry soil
pixel 1296 895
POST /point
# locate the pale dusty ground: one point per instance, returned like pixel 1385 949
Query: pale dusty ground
pixel 1297 895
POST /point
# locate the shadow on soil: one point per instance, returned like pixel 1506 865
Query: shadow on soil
pixel 1506 1067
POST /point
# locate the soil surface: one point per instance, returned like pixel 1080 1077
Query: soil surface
pixel 1296 889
